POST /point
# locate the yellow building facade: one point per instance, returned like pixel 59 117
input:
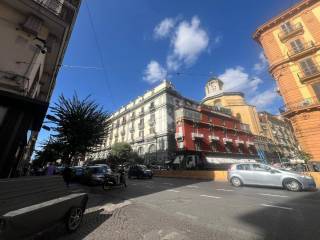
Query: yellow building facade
pixel 291 43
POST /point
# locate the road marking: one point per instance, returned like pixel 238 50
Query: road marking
pixel 225 190
pixel 187 215
pixel 192 186
pixel 273 206
pixel 208 196
pixel 272 195
pixel 173 191
pixel 170 184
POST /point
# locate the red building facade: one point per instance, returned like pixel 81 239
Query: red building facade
pixel 211 135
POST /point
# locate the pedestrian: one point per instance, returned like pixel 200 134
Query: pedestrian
pixel 50 169
pixel 66 174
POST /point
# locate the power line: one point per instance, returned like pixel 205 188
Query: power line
pixel 100 55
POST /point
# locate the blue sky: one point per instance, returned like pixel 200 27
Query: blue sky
pixel 143 41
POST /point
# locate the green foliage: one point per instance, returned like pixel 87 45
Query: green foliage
pixel 79 125
pixel 50 152
pixel 303 156
pixel 122 153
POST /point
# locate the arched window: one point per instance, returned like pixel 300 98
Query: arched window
pixel 140 150
pixel 152 148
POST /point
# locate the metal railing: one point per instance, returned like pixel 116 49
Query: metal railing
pixel 305 47
pixel 307 102
pixel 13 82
pixel 64 9
pixel 313 71
pixel 283 35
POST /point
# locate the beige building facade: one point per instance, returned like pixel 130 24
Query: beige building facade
pixel 34 36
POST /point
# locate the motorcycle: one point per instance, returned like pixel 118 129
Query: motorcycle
pixel 117 180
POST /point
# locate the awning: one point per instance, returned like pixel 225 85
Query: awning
pixel 221 160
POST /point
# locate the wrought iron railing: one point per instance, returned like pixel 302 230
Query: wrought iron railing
pixel 283 35
pixel 310 73
pixel 307 102
pixel 304 48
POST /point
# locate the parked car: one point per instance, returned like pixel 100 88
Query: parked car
pixel 77 173
pixel 96 174
pixel 265 175
pixel 139 171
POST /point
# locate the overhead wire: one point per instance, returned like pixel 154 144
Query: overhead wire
pixel 100 55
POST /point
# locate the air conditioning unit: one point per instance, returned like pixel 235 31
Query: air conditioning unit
pixel 32 25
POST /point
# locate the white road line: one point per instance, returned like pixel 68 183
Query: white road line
pixel 273 206
pixel 208 196
pixel 272 195
pixel 173 191
pixel 225 190
pixel 192 186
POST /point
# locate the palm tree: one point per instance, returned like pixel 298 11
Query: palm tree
pixel 79 125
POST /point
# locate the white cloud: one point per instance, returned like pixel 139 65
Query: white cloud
pixel 236 79
pixel 264 99
pixel 163 29
pixel 154 72
pixel 262 64
pixel 188 42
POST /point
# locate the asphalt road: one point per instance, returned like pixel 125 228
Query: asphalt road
pixel 167 208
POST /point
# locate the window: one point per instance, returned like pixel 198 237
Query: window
pixel 308 67
pixel 259 167
pixel 316 89
pixel 197 146
pixel 141 134
pixel 286 27
pixel 140 150
pixel 297 45
pixel 152 130
pixel 245 167
pixel 180 144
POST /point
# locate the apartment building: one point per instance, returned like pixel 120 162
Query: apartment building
pixel 34 37
pixel 147 124
pixel 291 43
pixel 283 143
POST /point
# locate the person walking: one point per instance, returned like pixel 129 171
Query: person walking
pixel 66 174
pixel 50 169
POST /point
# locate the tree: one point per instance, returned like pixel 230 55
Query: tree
pixel 50 152
pixel 79 125
pixel 121 152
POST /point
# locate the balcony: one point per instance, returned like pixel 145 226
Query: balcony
pixel 250 144
pixel 307 48
pixel 312 73
pixel 63 9
pixel 179 135
pixel 13 83
pixel 299 105
pixel 140 139
pixel 213 138
pixel 294 30
pixel 238 142
pixel 227 140
pixel 245 127
pixel 196 136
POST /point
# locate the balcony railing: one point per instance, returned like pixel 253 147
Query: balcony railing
pixel 197 136
pixel 213 138
pixel 294 29
pixel 311 73
pixel 305 49
pixel 305 103
pixel 63 9
pixel 227 140
pixel 245 127
pixel 13 82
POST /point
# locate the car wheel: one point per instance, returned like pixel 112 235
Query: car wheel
pixel 74 218
pixel 236 182
pixel 293 185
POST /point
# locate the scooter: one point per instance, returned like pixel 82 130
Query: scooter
pixel 117 180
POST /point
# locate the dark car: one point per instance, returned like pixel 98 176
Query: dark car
pixel 97 174
pixel 139 171
pixel 77 173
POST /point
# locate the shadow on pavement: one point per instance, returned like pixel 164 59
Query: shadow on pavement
pixel 288 220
